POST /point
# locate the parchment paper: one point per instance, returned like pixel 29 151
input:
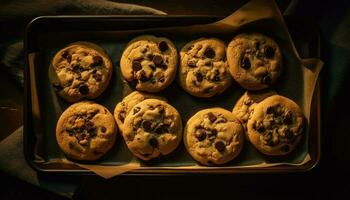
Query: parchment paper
pixel 297 82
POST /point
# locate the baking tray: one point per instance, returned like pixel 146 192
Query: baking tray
pixel 37 113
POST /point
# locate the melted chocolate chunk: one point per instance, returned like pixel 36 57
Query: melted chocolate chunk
pixel 89 126
pixel 84 89
pixel 136 110
pixel 65 54
pixel 147 125
pixel 201 134
pixel 271 110
pixel 80 136
pixel 97 61
pixel 269 52
pixel 211 117
pixel 259 127
pixel 212 134
pixel 136 66
pixel 143 76
pixel 245 63
pixel 150 56
pixel 208 63
pixel 77 68
pixel 97 77
pixel 153 142
pixel 199 76
pixel 152 66
pixel 121 116
pixel 104 129
pixel 220 146
pixel 164 128
pixel 163 66
pixel 191 63
pixel 157 59
pixel 162 79
pixel 163 46
pixel 209 53
pixel 288 118
pixel 266 80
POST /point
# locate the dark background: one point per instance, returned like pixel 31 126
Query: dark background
pixel 328 180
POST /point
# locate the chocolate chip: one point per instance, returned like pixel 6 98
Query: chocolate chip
pixel 133 82
pixel 153 142
pixel 164 128
pixel 97 77
pixel 161 79
pixel 200 134
pixel 152 66
pixel 136 65
pixel 136 110
pixel 150 56
pixel 285 148
pixel 269 52
pixel 216 76
pixel 144 50
pixel 245 63
pixel 147 125
pixel 199 76
pixel 191 63
pixel 212 133
pixel 209 53
pixel 208 63
pixel 65 54
pixel 163 66
pixel 77 68
pixel 121 116
pixel 97 61
pixel 259 127
pixel 84 89
pixel 220 146
pixel 104 129
pixel 157 59
pixel 257 45
pixel 211 117
pixel 143 76
pixel 89 126
pixel 266 80
pixel 163 46
pixel 270 110
pixel 288 118
pixel 80 136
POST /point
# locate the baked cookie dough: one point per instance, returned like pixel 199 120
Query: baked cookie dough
pixel 255 60
pixel 149 63
pixel 152 129
pixel 213 136
pixel 85 131
pixel 203 68
pixel 245 105
pixel 276 126
pixel 124 107
pixel 81 70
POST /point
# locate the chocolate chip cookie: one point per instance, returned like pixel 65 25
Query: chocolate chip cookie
pixel 152 129
pixel 203 68
pixel 85 131
pixel 149 63
pixel 255 60
pixel 213 136
pixel 276 126
pixel 244 107
pixel 81 70
pixel 124 107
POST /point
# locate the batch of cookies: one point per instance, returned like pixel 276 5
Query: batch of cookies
pixel 149 125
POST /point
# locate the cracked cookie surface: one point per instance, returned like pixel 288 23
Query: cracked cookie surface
pixel 123 108
pixel 255 60
pixel 85 131
pixel 276 126
pixel 152 129
pixel 213 136
pixel 149 63
pixel 203 68
pixel 81 70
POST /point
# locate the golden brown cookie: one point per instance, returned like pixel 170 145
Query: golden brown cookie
pixel 255 60
pixel 149 63
pixel 203 68
pixel 276 126
pixel 213 136
pixel 85 131
pixel 152 129
pixel 80 70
